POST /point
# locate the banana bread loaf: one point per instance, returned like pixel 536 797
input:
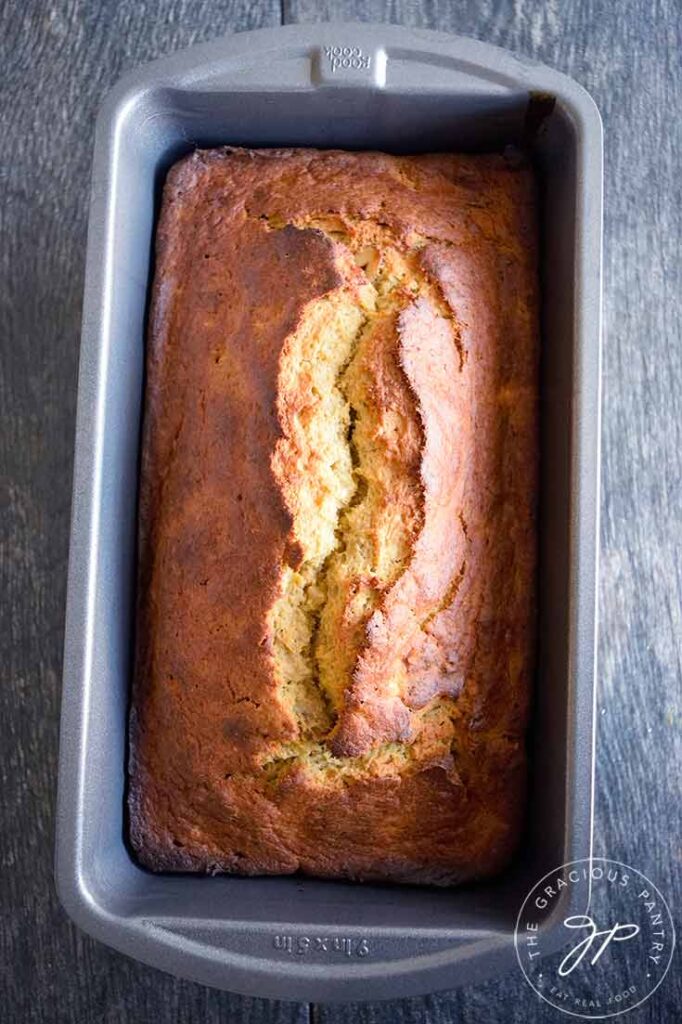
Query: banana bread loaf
pixel 337 517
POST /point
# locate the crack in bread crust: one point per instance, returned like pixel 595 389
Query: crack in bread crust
pixel 348 404
pixel 313 467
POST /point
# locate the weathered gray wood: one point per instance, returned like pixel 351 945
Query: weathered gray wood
pixel 58 59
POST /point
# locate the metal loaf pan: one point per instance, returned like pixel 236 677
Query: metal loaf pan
pixel 349 86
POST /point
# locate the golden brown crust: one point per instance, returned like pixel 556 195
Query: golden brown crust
pixel 337 555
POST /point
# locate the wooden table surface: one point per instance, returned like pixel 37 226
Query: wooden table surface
pixel 58 60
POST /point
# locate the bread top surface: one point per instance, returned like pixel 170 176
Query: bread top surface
pixel 337 528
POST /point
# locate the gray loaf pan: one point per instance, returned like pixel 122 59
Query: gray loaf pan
pixel 355 87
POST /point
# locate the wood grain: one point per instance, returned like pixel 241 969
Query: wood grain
pixel 58 60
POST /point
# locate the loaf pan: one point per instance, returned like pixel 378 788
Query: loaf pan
pixel 354 87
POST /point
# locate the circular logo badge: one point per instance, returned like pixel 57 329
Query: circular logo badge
pixel 594 938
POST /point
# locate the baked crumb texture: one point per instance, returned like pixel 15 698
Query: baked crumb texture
pixel 337 521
